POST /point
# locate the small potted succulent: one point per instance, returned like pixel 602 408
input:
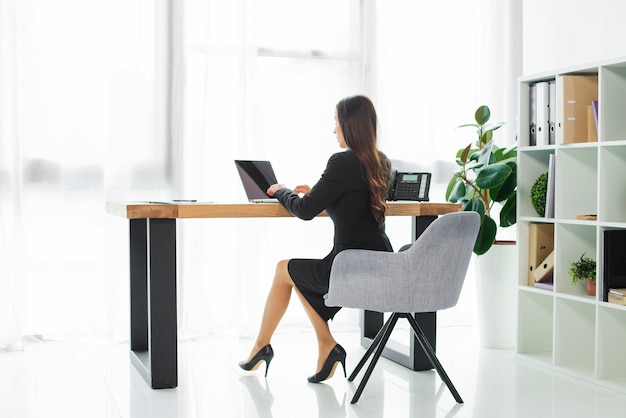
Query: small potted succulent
pixel 584 269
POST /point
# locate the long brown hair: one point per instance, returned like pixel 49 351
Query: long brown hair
pixel 357 118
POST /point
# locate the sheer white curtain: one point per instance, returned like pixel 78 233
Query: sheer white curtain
pixel 144 99
pixel 77 127
pixel 261 81
pixel 9 326
pixel 436 63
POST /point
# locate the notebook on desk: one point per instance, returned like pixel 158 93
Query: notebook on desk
pixel 256 177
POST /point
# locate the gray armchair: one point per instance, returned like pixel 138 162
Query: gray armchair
pixel 425 277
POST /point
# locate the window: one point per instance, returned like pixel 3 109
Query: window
pixel 261 81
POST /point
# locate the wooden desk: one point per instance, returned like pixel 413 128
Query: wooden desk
pixel 153 321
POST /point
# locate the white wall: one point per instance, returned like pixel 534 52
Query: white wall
pixel 563 33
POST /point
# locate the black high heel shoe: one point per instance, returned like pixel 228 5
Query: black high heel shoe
pixel 265 354
pixel 337 355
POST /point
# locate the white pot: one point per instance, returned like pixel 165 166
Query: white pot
pixel 496 285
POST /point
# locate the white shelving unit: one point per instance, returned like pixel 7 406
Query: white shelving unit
pixel 564 329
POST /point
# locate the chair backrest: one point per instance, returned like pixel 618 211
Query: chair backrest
pixel 439 259
pixel 427 277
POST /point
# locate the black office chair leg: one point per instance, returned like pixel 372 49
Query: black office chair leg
pixel 370 350
pixel 385 337
pixel 421 337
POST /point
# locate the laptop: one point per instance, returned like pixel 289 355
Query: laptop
pixel 256 177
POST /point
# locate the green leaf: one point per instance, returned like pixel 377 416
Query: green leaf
pixel 508 213
pixel 507 188
pixel 487 136
pixel 465 125
pixel 458 192
pixel 465 153
pixel 493 176
pixel 482 115
pixel 450 187
pixel 473 165
pixel 507 155
pixel 492 126
pixel 486 235
pixel 511 151
pixel 475 204
pixel 485 156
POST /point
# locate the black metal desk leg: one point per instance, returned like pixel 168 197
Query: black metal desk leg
pixel 138 285
pixel 154 336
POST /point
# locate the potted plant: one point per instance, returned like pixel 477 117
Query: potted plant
pixel 538 194
pixel 487 175
pixel 584 269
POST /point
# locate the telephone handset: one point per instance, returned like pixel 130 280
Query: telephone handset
pixel 410 186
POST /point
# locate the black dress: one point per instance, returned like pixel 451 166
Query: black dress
pixel 343 192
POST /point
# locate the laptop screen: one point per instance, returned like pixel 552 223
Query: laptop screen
pixel 256 177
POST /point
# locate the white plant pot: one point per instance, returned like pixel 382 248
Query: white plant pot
pixel 496 286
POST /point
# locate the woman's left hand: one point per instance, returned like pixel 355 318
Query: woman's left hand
pixel 302 189
pixel 274 188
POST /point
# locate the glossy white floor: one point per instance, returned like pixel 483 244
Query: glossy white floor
pixel 55 379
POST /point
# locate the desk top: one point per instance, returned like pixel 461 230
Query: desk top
pixel 139 210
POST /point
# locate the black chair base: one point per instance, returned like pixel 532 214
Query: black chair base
pixel 379 343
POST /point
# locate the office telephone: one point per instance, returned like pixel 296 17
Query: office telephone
pixel 410 186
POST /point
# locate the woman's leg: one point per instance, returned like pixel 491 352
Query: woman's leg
pixel 325 340
pixel 275 306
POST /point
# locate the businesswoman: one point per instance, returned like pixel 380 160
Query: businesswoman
pixel 352 190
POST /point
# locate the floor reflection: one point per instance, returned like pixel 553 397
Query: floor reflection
pixel 328 406
pixel 261 395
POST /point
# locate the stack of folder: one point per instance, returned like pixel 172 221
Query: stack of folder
pixel 541 255
pixel 574 116
pixel 565 108
pixel 543 113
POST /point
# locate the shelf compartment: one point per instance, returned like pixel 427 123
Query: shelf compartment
pixel 532 163
pixel 612 184
pixel 571 241
pixel 535 325
pixel 576 181
pixel 524 115
pixel 575 335
pixel 613 102
pixel 611 343
pixel 525 257
pixel 574 95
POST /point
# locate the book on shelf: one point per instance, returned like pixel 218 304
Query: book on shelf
pixel 532 112
pixel 617 296
pixel 539 112
pixel 552 115
pixel 543 113
pixel 545 286
pixel 540 245
pixel 594 107
pixel 614 261
pixel 592 130
pixel 549 212
pixel 574 93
